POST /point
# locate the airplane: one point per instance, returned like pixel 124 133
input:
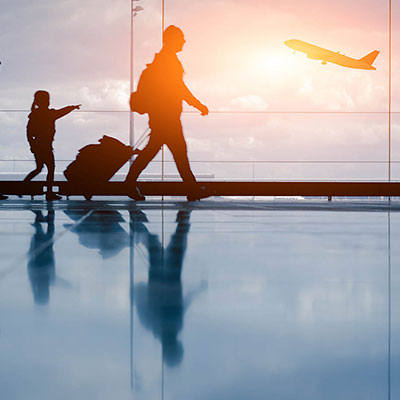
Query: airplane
pixel 319 53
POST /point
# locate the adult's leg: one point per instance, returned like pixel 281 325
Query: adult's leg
pixel 143 159
pixel 178 148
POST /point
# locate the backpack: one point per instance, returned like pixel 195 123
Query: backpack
pixel 141 100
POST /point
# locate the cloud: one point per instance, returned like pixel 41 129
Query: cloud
pixel 249 103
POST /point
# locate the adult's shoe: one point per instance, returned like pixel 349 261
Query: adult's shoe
pixel 135 194
pixel 197 194
pixel 3 197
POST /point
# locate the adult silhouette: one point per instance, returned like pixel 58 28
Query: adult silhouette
pixel 160 302
pixel 166 91
pixel 41 261
pixel 40 133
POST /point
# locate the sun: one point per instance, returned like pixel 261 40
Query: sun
pixel 276 62
pixel 272 62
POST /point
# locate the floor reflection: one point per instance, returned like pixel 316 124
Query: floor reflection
pixel 160 303
pixel 41 258
pixel 41 261
pixel 101 229
pixel 313 305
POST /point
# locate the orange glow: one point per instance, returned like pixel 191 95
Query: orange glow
pixel 276 63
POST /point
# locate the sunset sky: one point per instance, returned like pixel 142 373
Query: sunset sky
pixel 235 60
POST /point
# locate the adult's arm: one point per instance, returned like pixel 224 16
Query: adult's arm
pixel 193 101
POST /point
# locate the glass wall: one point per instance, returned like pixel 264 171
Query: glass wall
pixel 267 104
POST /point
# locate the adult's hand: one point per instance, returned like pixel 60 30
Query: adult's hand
pixel 203 109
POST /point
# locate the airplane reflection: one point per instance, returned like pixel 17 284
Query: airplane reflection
pixel 160 303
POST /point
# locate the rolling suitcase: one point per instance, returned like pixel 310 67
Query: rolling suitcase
pixel 97 163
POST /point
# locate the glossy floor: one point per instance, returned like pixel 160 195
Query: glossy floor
pixel 218 300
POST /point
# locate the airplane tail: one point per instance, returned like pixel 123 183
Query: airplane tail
pixel 370 58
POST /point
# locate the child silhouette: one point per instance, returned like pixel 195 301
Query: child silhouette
pixel 40 133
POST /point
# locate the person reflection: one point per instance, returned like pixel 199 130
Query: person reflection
pixel 41 261
pixel 100 230
pixel 160 302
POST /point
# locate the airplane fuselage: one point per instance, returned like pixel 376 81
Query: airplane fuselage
pixel 318 53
